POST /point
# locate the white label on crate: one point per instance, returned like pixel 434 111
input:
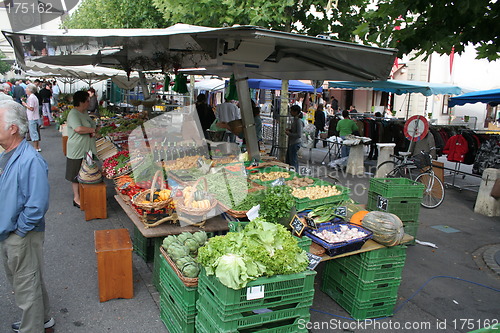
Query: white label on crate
pixel 255 293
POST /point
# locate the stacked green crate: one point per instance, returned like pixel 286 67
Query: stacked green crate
pixel 157 262
pixel 283 302
pixel 399 196
pixel 177 302
pixel 366 285
pixel 143 246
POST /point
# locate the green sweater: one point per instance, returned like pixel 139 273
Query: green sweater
pixel 346 127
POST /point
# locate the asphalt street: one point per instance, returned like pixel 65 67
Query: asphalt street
pixel 445 289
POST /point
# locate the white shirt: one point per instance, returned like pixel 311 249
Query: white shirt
pixel 55 89
pixel 227 112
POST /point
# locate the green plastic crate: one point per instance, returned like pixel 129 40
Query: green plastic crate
pixel 411 228
pixel 306 203
pixel 143 246
pixel 361 291
pixel 407 209
pixel 157 261
pixel 173 319
pixel 245 317
pixel 267 322
pixel 184 297
pixel 304 242
pixel 367 273
pixel 236 226
pixel 360 310
pixel 395 252
pixel 273 169
pixel 277 290
pixel 397 187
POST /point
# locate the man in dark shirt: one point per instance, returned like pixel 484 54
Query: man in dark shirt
pixel 45 96
pixel 18 92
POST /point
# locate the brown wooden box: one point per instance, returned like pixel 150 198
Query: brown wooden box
pixel 114 264
pixel 93 201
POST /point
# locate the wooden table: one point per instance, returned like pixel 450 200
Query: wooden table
pixel 216 223
pixel 369 245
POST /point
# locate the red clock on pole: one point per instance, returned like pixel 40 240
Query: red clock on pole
pixel 416 128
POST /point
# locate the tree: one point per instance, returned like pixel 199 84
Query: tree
pixel 115 14
pixel 4 67
pixel 434 26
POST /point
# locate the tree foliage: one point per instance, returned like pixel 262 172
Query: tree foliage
pixel 424 26
pixel 115 14
pixel 4 67
pixel 434 26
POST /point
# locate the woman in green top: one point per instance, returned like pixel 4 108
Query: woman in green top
pixel 81 139
pixel 345 127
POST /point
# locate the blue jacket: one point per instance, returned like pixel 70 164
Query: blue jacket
pixel 24 192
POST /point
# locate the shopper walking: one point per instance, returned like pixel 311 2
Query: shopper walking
pixel 18 92
pixel 225 113
pixel 55 92
pixel 319 122
pixel 24 200
pixel 31 106
pixel 93 106
pixel 46 95
pixel 345 127
pixel 81 140
pixel 4 92
pixel 294 137
pixel 205 113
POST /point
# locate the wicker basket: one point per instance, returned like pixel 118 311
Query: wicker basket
pixel 140 198
pixel 188 282
pixel 180 207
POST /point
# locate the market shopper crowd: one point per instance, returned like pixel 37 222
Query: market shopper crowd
pixel 24 201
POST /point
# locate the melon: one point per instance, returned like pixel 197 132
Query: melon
pixel 387 228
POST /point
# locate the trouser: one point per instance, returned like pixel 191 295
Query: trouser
pixel 23 259
pixel 292 157
pixel 345 150
pixel 46 111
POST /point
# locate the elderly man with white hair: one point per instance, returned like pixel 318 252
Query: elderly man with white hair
pixel 4 90
pixel 24 201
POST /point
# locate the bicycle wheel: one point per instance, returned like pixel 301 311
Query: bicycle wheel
pixel 433 191
pixel 395 170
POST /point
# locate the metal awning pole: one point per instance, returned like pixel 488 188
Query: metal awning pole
pixel 240 75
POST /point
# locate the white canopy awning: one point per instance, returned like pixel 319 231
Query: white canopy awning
pixel 264 53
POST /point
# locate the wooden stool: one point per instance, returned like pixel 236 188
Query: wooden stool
pixel 93 201
pixel 114 264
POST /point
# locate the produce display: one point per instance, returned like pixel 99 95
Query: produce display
pixel 299 182
pixel 186 162
pixel 323 213
pixel 269 176
pixel 183 249
pixel 116 164
pixel 316 192
pixel 387 228
pixel 344 234
pixel 261 249
pixel 195 198
pixel 228 189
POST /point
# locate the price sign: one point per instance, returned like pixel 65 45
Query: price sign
pixel 311 223
pixel 382 203
pixel 313 260
pixel 341 211
pixel 305 171
pixel 297 225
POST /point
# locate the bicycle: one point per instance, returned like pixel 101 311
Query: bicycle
pixel 405 166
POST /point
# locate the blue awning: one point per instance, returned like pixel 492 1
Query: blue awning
pixel 400 87
pixel 491 97
pixel 293 85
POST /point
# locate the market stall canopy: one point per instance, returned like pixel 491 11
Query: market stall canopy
pixel 293 85
pixel 86 73
pixel 210 84
pixel 491 97
pixel 400 87
pixel 264 53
